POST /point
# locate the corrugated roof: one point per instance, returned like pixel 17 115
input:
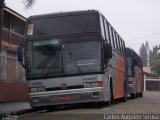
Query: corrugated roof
pixel 147 69
pixel 14 13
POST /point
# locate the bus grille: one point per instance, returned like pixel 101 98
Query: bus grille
pixel 69 87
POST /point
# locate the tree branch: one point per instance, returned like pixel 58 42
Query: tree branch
pixel 28 3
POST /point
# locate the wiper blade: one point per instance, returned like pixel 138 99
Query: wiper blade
pixel 75 62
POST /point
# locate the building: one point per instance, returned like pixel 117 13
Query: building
pixel 151 80
pixel 12 36
pixel 147 69
pixel 12 82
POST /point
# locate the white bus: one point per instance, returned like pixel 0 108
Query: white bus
pixel 73 57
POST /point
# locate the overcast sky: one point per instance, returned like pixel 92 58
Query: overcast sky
pixel 136 21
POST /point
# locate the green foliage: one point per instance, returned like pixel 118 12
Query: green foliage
pixel 143 54
pixel 153 55
pixel 156 65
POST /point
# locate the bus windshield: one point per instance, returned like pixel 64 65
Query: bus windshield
pixel 50 57
pixel 61 25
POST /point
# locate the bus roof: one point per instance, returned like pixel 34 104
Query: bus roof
pixel 60 14
pixel 64 23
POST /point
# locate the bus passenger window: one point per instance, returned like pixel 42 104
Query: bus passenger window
pixel 107 32
pixel 118 43
pixel 110 34
pixel 114 39
pixel 102 27
pixel 120 46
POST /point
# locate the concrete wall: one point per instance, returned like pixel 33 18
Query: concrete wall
pixel 13 92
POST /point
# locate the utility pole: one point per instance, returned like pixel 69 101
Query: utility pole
pixel 2 4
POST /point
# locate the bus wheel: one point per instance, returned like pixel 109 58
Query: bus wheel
pixel 133 96
pixel 111 92
pixel 124 98
pixel 108 103
pixel 141 94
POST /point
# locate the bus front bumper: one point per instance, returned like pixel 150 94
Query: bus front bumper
pixel 67 97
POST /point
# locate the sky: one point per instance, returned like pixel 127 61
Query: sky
pixel 137 21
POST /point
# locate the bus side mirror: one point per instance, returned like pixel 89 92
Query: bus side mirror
pixel 107 50
pixel 20 55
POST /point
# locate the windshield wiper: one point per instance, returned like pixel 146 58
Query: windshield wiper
pixel 75 61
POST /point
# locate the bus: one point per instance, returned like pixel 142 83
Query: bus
pixel 135 73
pixel 73 57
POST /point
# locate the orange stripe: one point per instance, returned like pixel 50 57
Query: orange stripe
pixel 119 87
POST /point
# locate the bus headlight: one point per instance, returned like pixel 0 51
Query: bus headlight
pixel 93 84
pixel 41 89
pixel 37 89
pixel 34 90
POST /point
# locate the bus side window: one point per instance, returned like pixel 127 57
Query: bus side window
pixel 115 41
pixel 107 31
pixel 102 27
pixel 119 42
pixel 118 49
pixel 110 34
pixel 121 46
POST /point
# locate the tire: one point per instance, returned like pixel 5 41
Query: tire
pixel 141 94
pixel 133 95
pixel 124 98
pixel 107 103
pixel 111 92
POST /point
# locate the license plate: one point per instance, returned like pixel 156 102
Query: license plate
pixel 65 98
pixel 35 83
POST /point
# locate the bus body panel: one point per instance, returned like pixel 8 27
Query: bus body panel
pixel 120 86
pixel 69 88
pixel 66 96
pixel 116 73
pixel 135 72
pixel 132 85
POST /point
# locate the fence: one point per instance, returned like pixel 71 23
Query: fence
pixel 10 69
pixel 13 86
pixel 151 83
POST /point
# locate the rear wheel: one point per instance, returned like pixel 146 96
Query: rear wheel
pixel 133 95
pixel 111 93
pixel 108 103
pixel 141 94
pixel 124 99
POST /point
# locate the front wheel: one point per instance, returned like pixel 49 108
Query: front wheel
pixel 124 99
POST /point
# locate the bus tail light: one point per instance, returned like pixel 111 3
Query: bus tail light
pixel 131 82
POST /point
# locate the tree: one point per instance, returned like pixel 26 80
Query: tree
pixel 143 54
pixel 153 55
pixel 148 53
pixel 156 65
pixel 29 3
